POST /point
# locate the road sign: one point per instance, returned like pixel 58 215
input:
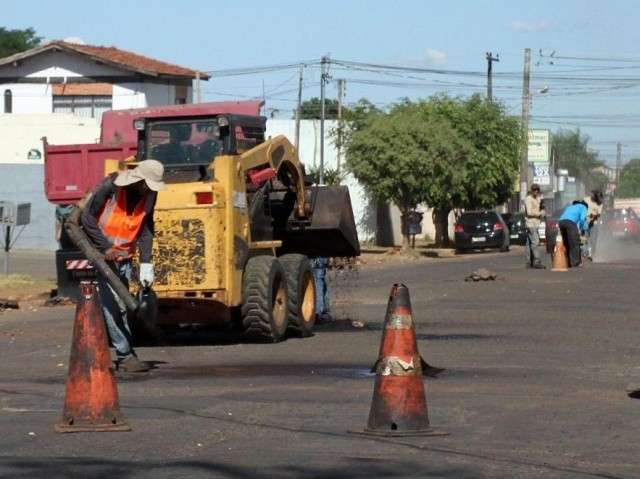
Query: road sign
pixel 539 148
pixel 542 174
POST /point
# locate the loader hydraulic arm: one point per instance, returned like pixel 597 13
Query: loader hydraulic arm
pixel 279 155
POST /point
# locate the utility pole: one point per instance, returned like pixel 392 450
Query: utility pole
pixel 198 90
pixel 324 77
pixel 341 90
pixel 299 109
pixel 490 60
pixel 618 165
pixel 524 158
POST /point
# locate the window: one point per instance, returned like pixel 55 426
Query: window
pixel 183 143
pixel 8 101
pixel 181 95
pixel 88 106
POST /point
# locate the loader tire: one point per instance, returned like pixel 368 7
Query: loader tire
pixel 301 293
pixel 264 303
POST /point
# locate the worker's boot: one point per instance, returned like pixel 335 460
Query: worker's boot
pixel 538 265
pixel 131 364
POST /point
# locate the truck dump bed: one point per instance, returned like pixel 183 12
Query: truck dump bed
pixel 71 171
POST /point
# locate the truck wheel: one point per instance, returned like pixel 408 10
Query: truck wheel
pixel 301 293
pixel 264 293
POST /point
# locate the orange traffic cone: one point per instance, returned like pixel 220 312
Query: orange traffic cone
pixel 91 399
pixel 399 406
pixel 560 262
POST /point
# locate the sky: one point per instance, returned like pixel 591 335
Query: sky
pixel 585 61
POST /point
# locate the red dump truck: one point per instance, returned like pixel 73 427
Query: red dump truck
pixel 71 171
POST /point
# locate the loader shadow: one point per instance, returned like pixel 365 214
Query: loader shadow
pixel 210 336
pixel 351 371
pixel 347 468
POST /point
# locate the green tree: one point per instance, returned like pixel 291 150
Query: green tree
pixel 332 177
pixel 446 152
pixel 16 41
pixel 310 109
pixel 572 153
pixel 354 118
pixel 629 186
pixel 490 168
pixel 398 155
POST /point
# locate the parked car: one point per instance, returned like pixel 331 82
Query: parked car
pixel 517 227
pixel 623 223
pixel 480 230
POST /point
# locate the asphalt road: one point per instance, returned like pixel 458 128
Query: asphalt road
pixel 537 364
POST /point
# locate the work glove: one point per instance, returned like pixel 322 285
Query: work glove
pixel 146 275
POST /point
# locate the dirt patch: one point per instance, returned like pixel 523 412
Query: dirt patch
pixel 25 289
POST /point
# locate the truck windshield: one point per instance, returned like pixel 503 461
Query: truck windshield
pixel 183 143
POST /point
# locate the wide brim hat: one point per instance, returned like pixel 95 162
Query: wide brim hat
pixel 149 171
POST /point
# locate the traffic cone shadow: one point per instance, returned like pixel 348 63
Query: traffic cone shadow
pixel 91 398
pixel 399 405
pixel 560 261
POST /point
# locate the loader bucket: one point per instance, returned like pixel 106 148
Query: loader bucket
pixel 331 229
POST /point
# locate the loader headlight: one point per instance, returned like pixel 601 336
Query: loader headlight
pixel 138 124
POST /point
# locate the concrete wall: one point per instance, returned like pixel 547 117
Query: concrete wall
pixel 21 183
pixel 19 134
pixel 22 179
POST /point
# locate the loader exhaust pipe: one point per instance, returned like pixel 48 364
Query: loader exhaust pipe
pixel 80 239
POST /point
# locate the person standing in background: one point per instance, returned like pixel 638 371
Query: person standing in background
pixel 534 213
pixel 594 212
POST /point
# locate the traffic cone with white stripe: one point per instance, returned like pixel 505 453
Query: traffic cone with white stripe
pixel 399 405
pixel 560 262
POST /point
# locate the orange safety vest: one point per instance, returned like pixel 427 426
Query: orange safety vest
pixel 120 228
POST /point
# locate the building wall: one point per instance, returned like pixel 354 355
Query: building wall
pixel 39 234
pixel 141 95
pixel 21 133
pixel 27 98
pixel 22 179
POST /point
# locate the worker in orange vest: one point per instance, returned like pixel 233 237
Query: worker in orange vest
pixel 119 217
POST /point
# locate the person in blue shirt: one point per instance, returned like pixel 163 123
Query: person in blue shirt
pixel 572 223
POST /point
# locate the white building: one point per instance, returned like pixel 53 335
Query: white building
pixel 85 80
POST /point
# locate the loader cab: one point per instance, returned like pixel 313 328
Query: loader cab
pixel 187 146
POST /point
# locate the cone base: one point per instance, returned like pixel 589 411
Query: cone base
pixel 560 270
pixel 107 427
pixel 420 432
